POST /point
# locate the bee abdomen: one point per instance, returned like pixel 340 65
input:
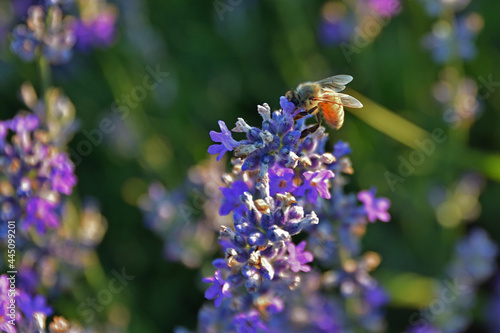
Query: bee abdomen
pixel 333 114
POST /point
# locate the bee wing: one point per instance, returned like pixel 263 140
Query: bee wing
pixel 350 101
pixel 336 83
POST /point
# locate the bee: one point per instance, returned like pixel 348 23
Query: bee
pixel 323 97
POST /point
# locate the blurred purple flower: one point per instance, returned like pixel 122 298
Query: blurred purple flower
pixel 218 290
pixel 375 208
pixel 21 6
pixel 493 308
pixel 376 296
pixel 334 33
pixel 447 42
pixel 340 149
pixel 29 305
pixel 226 140
pixel 424 328
pixel 249 322
pixel 297 257
pixel 62 175
pixel 98 32
pixel 385 8
pixel 24 123
pixel 475 256
pixel 40 213
pixel 55 41
pixel 336 25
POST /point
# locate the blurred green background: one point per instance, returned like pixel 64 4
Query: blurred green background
pixel 220 70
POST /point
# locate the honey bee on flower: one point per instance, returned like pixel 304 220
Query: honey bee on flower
pixel 323 97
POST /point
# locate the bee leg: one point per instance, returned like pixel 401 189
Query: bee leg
pixel 304 113
pixel 300 115
pixel 310 111
pixel 312 129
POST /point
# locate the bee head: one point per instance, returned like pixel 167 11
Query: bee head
pixel 291 95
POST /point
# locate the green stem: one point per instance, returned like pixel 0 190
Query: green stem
pixel 46 83
pixel 45 74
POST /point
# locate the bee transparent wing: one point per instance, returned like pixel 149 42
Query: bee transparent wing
pixel 350 101
pixel 336 83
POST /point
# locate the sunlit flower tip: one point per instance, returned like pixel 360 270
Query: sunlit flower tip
pixel 281 180
pixel 227 143
pixel 327 158
pixel 298 258
pixel 232 197
pixel 264 111
pixel 218 290
pixel 315 182
pixel 375 208
pixel 242 126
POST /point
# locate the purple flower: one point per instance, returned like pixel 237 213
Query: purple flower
pixel 475 256
pixel 375 208
pixel 315 182
pixel 424 328
pixel 281 180
pixel 297 257
pixel 376 296
pixel 249 322
pixel 226 140
pixel 40 213
pixel 104 28
pixel 21 6
pixel 341 149
pixel 30 305
pixel 232 197
pixel 56 42
pixel 286 105
pixel 100 31
pixel 446 42
pixel 24 43
pixel 335 32
pixel 218 290
pixel 385 8
pixel 24 123
pixel 62 175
